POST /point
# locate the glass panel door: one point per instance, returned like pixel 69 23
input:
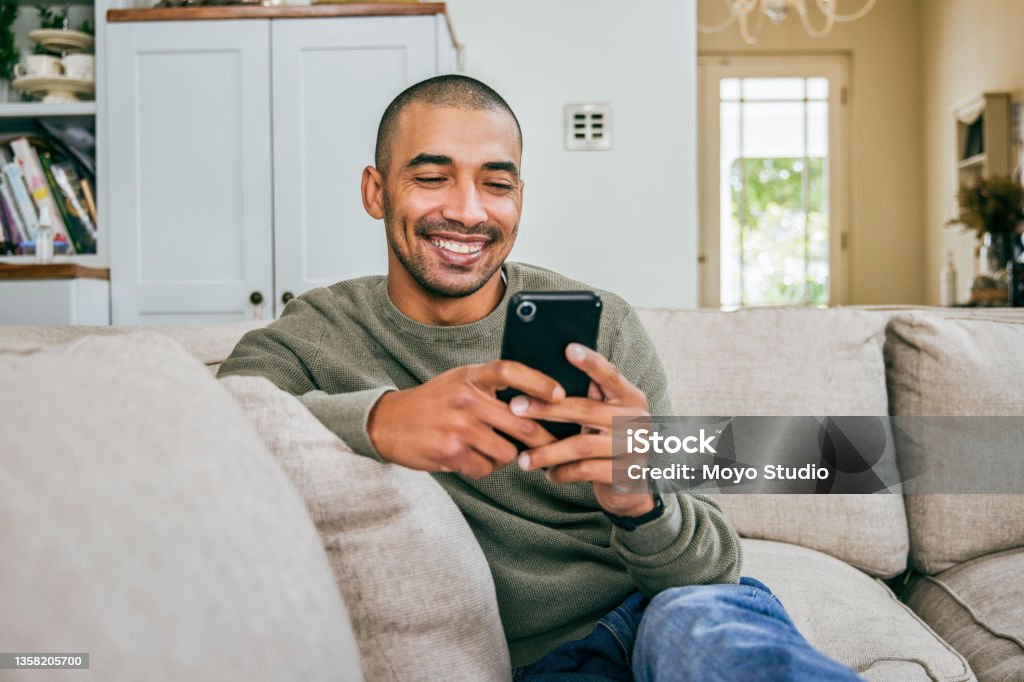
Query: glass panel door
pixel 773 157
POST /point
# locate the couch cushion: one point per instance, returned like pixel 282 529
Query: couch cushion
pixel 851 617
pixel 977 607
pixel 210 343
pixel 417 584
pixel 789 362
pixel 947 363
pixel 144 522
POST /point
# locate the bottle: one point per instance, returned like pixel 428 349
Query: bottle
pixel 1017 284
pixel 44 238
pixel 947 282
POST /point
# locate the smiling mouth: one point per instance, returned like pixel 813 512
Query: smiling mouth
pixel 464 248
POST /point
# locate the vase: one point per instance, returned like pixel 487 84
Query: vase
pixel 996 252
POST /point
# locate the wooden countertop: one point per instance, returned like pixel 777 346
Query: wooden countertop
pixel 357 9
pixel 15 271
pixel 214 12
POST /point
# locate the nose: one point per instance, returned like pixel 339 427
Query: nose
pixel 464 205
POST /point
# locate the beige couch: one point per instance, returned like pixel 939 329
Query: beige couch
pixel 154 529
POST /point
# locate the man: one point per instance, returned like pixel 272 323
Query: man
pixel 405 370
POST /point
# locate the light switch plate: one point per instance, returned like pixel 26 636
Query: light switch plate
pixel 588 127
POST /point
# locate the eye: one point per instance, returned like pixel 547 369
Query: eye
pixel 500 186
pixel 430 180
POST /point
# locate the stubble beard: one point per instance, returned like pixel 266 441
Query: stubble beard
pixel 416 262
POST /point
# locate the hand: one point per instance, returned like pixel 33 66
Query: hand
pixel 589 455
pixel 449 423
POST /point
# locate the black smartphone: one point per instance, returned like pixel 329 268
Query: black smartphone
pixel 538 327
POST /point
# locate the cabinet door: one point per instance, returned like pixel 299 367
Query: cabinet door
pixel 333 79
pixel 190 171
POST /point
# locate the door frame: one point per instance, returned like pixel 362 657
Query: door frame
pixel 711 69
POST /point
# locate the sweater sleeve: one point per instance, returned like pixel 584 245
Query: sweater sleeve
pixel 285 352
pixel 692 542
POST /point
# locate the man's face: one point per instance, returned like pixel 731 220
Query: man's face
pixel 452 196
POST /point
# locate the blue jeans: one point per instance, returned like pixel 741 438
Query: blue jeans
pixel 703 633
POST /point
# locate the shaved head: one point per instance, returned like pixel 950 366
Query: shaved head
pixel 456 92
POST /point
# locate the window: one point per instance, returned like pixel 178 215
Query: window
pixel 773 193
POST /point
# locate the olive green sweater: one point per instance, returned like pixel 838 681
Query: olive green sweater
pixel 558 564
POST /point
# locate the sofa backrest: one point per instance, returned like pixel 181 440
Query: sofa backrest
pixel 789 362
pixel 958 363
pixel 152 528
pixel 210 343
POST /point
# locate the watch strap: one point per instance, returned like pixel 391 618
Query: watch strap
pixel 634 522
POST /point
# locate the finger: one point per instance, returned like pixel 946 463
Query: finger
pixel 582 411
pixel 593 470
pixel 499 450
pixel 473 465
pixel 571 449
pixel 594 392
pixel 602 372
pixel 496 414
pixel 501 374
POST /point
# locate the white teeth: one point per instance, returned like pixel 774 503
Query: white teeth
pixel 457 247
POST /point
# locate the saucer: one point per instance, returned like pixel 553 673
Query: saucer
pixel 55 40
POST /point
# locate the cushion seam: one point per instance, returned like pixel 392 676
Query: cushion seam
pixel 966 668
pixel 970 612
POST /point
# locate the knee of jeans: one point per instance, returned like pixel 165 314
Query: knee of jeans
pixel 706 602
pixel 690 596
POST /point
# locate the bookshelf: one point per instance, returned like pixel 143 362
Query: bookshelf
pixel 984 136
pixel 19 117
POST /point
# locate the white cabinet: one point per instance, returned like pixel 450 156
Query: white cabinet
pixel 190 170
pixel 332 81
pixel 236 148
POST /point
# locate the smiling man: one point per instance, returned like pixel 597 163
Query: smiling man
pixel 405 368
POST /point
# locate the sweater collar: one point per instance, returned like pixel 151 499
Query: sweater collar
pixel 492 323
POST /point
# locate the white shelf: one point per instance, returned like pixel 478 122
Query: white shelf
pixel 42 109
pixel 976 160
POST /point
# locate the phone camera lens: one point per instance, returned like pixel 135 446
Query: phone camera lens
pixel 526 311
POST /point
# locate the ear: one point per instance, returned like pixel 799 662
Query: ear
pixel 373 192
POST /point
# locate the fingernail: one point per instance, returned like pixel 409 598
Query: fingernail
pixel 524 462
pixel 519 405
pixel 576 351
pixel 547 475
pixel 558 393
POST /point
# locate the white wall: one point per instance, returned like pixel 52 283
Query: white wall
pixel 625 219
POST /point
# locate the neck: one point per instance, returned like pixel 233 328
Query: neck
pixel 414 302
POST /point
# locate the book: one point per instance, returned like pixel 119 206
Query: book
pixel 39 189
pixel 15 228
pixel 76 220
pixel 21 202
pixel 71 187
pixel 7 240
pixel 90 203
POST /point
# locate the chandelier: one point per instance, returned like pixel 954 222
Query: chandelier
pixel 740 11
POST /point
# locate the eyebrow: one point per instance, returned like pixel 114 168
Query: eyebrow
pixel 430 160
pixel 506 166
pixel 442 160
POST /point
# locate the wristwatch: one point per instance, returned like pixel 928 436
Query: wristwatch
pixel 633 522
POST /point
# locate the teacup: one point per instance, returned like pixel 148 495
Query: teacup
pixel 80 66
pixel 38 65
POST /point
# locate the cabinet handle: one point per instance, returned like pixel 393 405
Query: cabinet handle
pixel 287 296
pixel 256 298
